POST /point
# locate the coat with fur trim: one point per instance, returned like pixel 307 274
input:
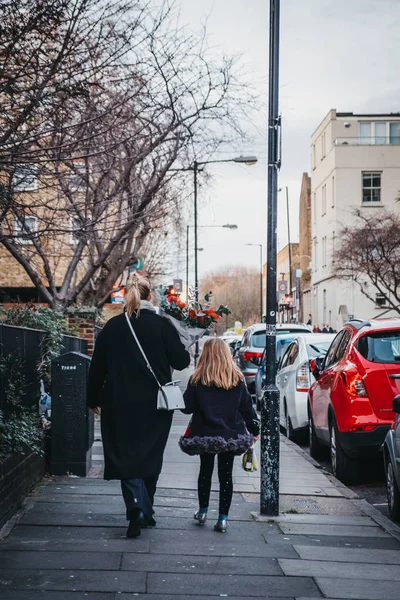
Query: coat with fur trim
pixel 134 432
pixel 222 421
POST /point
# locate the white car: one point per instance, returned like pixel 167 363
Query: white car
pixel 294 379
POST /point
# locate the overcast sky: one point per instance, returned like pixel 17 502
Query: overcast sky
pixel 342 54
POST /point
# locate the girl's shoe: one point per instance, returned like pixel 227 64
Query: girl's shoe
pixel 221 525
pixel 201 517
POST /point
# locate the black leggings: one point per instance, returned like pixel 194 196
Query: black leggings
pixel 225 466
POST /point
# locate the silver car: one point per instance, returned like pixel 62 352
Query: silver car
pixel 248 357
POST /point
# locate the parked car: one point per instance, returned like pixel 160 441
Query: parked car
pixel 294 379
pixel 350 404
pixel 248 356
pixel 233 342
pixel 391 453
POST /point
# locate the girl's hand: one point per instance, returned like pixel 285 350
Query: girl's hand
pixel 256 438
pixel 96 410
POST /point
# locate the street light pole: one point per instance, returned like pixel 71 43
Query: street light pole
pixel 269 497
pixel 261 280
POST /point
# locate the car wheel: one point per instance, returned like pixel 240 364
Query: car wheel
pixel 317 450
pixel 288 425
pixel 393 492
pixel 343 467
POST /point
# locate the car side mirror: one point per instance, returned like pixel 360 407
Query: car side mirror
pixel 316 366
pixel 396 404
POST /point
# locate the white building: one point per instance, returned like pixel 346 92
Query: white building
pixel 355 162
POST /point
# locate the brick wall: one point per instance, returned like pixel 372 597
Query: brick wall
pixel 84 323
pixel 18 475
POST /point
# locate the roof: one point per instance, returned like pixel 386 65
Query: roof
pixel 380 324
pixel 350 114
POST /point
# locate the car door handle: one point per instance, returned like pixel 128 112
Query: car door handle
pixel 394 376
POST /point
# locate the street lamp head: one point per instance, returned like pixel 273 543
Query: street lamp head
pixel 230 226
pixel 247 160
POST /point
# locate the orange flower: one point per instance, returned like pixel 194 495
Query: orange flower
pixel 211 313
pixel 192 313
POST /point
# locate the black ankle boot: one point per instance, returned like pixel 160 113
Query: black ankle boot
pixel 136 522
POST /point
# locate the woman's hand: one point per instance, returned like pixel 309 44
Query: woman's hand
pixel 256 438
pixel 96 410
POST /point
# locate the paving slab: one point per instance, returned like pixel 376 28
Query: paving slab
pixel 361 555
pixel 183 596
pixel 352 589
pixel 340 530
pixel 45 595
pixel 323 541
pixel 230 585
pixel 80 581
pixel 222 548
pixel 349 570
pixel 225 565
pixel 59 560
pixel 320 519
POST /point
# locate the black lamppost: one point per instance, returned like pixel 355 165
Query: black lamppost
pixel 269 497
pixel 261 279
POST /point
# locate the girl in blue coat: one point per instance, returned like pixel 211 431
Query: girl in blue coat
pixel 224 423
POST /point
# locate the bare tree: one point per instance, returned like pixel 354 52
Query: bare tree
pixel 143 96
pixel 238 288
pixel 369 253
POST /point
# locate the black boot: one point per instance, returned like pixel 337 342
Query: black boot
pixel 136 522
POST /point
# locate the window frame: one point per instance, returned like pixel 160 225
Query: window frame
pixel 20 186
pixel 372 174
pixel 19 230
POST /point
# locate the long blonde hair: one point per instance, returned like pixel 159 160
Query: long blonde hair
pixel 138 289
pixel 216 367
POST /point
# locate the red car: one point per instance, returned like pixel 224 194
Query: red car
pixel 350 404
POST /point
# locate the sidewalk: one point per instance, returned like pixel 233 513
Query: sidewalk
pixel 70 544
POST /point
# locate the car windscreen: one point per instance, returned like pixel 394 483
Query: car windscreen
pixel 258 339
pixel 315 349
pixel 282 342
pixel 380 347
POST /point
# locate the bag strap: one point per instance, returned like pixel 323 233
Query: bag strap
pixel 141 349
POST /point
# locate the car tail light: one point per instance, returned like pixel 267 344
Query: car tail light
pixel 354 383
pixel 254 357
pixel 303 378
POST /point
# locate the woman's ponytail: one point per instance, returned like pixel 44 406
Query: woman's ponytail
pixel 138 289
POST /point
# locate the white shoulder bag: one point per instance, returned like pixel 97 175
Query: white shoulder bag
pixel 169 395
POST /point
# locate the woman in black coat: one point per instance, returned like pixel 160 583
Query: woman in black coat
pixel 134 432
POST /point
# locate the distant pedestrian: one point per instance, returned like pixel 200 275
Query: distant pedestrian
pixel 326 328
pixel 134 432
pixel 224 423
pixel 316 329
pixel 309 322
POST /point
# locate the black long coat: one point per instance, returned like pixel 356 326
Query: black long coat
pixel 134 432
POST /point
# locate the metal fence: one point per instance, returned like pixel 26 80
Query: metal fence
pixel 21 350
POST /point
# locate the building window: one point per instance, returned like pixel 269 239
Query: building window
pixel 75 227
pixel 380 300
pixel 324 306
pixel 25 228
pixel 314 157
pixel 323 145
pixel 380 132
pixel 324 199
pixel 364 131
pixel 315 206
pixel 371 187
pixel 394 133
pixel 314 258
pixel 77 177
pixel 324 251
pixel 25 178
pixel 333 191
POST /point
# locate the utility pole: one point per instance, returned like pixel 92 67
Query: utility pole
pixel 269 497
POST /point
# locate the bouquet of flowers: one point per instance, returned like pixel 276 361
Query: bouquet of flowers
pixel 192 319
